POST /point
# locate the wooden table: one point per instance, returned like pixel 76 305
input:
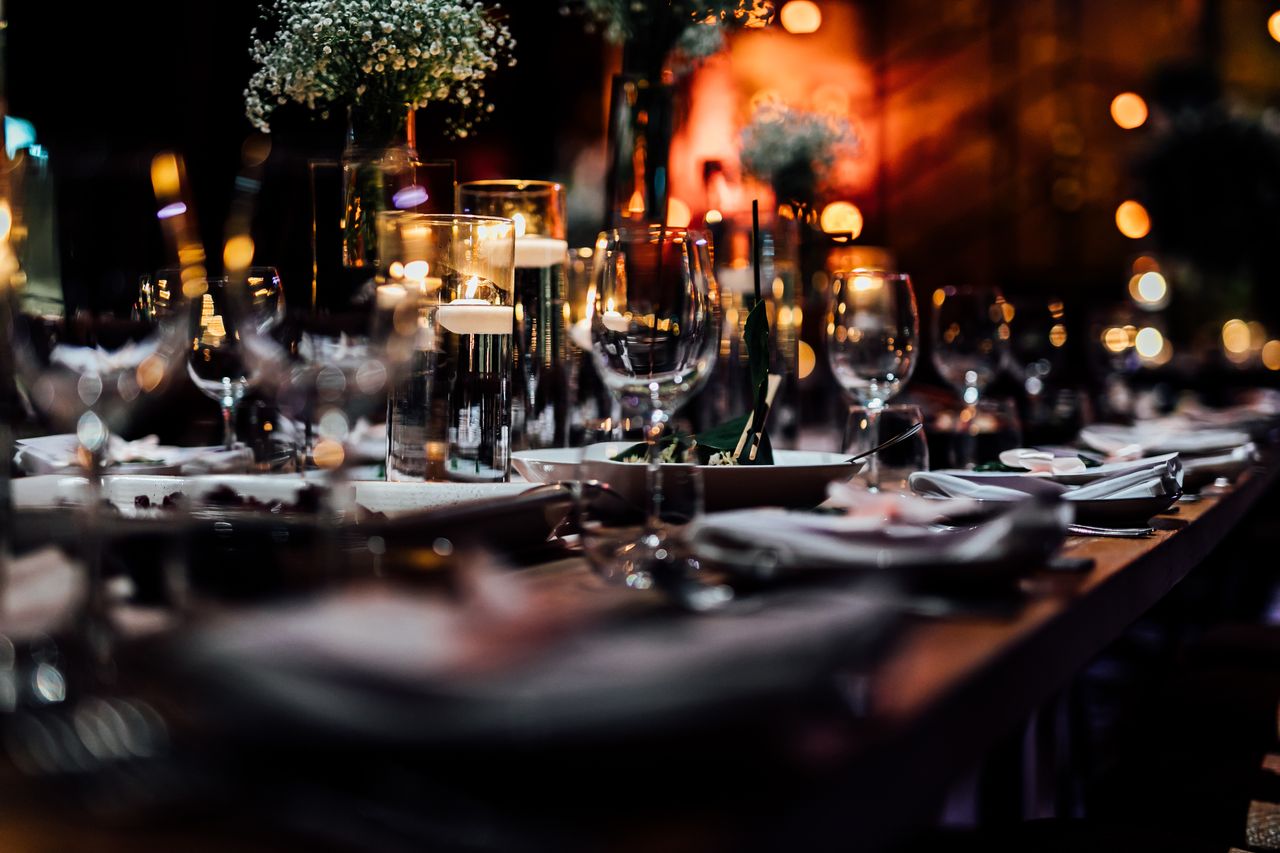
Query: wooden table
pixel 953 686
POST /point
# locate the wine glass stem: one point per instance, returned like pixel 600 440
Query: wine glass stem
pixel 653 472
pixel 969 429
pixel 873 439
pixel 228 426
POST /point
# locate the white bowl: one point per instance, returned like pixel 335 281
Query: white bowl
pixel 798 478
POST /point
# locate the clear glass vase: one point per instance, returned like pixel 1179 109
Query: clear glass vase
pixel 642 119
pixel 377 174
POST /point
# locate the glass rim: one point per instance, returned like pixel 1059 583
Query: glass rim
pixel 446 218
pixel 883 273
pixel 511 186
pixel 653 228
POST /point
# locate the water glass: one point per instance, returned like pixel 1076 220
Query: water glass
pixel 654 339
pixel 896 463
pixel 872 341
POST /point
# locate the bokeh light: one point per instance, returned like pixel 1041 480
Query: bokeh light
pixel 1271 355
pixel 800 17
pixel 1132 220
pixel 1235 337
pixel 841 217
pixel 1148 342
pixel 807 360
pixel 1115 339
pixel 1273 25
pixel 678 213
pixel 1129 110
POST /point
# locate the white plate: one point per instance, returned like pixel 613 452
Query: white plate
pixel 798 478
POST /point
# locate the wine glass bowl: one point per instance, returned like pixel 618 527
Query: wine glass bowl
pixel 651 315
pixel 970 337
pixel 872 331
pixel 223 320
pixel 871 334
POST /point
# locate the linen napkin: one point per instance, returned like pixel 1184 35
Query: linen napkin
pixel 56 454
pixel 875 534
pixel 98 361
pixel 1158 436
pixel 513 657
pixel 1161 479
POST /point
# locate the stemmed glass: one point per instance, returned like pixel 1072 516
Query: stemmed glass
pixel 970 337
pixel 654 337
pixel 872 331
pixel 215 362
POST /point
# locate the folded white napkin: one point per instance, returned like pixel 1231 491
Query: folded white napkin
pixel 1159 436
pixel 56 454
pixel 904 536
pixel 43 591
pixel 1163 478
pixel 96 360
pixel 1041 461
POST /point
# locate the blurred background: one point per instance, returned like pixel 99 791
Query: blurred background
pixel 1117 159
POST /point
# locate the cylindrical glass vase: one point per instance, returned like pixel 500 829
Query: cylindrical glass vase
pixel 446 288
pixel 539 407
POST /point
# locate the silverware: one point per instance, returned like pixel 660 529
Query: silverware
pixel 897 439
pixel 1112 532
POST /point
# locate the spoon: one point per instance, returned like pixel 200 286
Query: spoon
pixel 897 439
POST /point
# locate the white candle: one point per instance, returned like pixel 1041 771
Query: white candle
pixel 476 317
pixel 536 252
pixel 390 295
pixel 615 322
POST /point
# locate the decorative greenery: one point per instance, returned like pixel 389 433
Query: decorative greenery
pixel 793 149
pixel 377 57
pixel 715 446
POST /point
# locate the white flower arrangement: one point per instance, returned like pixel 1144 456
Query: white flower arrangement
pixel 378 57
pixel 793 150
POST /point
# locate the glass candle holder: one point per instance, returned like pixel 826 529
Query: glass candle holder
pixel 445 295
pixel 540 398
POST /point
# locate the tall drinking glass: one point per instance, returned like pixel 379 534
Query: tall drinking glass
pixel 654 339
pixel 872 331
pixel 540 404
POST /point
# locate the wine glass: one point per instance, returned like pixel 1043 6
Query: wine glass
pixel 970 337
pixel 872 327
pixel 654 337
pixel 216 362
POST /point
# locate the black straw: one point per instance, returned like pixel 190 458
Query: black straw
pixel 755 243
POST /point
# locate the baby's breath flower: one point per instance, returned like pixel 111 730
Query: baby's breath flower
pixel 377 55
pixel 792 149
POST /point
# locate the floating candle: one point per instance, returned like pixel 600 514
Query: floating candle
pixel 390 295
pixel 535 252
pixel 615 322
pixel 476 317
